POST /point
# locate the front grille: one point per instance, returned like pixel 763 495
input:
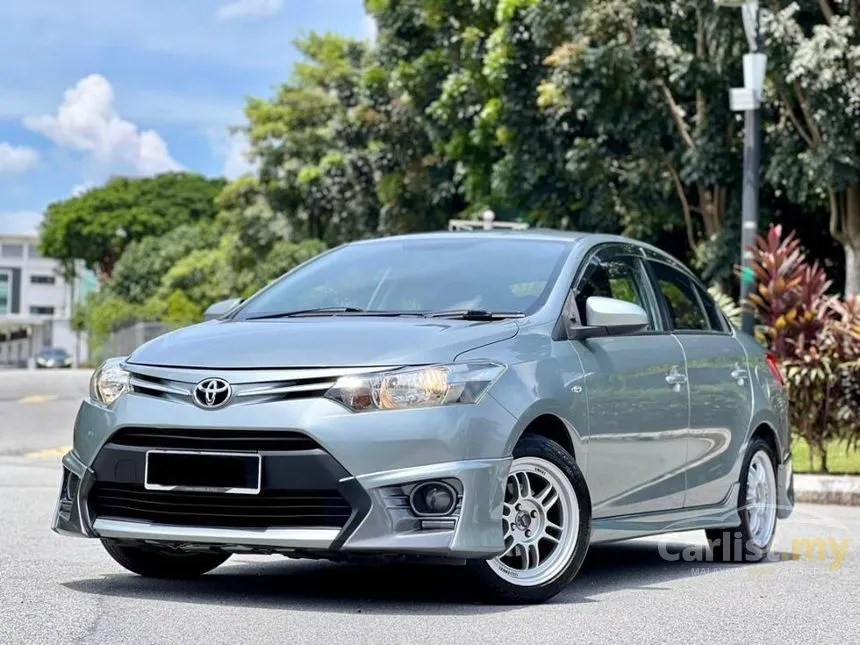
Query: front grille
pixel 305 385
pixel 269 509
pixel 243 440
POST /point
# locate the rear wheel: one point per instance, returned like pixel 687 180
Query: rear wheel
pixel 757 501
pixel 161 563
pixel 546 523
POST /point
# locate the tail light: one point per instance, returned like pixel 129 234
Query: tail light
pixel 773 364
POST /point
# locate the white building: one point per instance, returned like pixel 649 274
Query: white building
pixel 36 303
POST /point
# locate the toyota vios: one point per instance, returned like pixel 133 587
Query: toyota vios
pixel 496 400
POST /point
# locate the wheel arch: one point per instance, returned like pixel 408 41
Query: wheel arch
pixel 553 427
pixel 767 433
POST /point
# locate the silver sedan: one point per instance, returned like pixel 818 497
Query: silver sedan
pixel 497 400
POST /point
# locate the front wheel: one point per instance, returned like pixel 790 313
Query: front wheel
pixel 546 523
pixel 161 563
pixel 757 506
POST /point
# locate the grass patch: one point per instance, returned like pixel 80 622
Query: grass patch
pixel 840 460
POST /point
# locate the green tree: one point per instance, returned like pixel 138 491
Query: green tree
pixel 814 89
pixel 609 116
pixel 314 167
pixel 138 272
pixel 648 82
pixel 98 225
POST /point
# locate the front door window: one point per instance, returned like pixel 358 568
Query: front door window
pixel 620 277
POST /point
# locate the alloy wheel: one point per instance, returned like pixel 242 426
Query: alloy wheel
pixel 540 522
pixel 761 499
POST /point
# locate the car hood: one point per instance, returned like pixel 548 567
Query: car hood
pixel 319 342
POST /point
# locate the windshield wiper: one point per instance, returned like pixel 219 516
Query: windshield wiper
pixel 334 311
pixel 319 311
pixel 476 314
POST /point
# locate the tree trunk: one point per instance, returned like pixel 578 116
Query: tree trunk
pixel 851 241
pixel 845 228
pixel 852 269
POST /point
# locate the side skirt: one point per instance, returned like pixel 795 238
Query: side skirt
pixel 626 527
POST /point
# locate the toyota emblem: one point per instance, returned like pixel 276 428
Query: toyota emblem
pixel 212 393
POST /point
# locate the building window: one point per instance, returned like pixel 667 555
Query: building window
pixel 33 252
pixel 5 285
pixel 42 279
pixel 13 251
pixel 42 311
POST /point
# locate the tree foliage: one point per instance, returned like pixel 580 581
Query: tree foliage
pixel 98 225
pixel 814 52
pixel 606 116
pixel 140 268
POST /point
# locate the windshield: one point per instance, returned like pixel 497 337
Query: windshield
pixel 53 353
pixel 420 275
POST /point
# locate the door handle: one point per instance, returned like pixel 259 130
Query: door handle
pixel 675 378
pixel 739 374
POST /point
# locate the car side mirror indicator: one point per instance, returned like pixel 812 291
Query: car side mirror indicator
pixel 220 308
pixel 610 317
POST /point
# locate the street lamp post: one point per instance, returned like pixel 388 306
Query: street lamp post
pixel 748 99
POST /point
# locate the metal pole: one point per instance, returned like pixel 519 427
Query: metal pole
pixel 749 215
pixel 755 65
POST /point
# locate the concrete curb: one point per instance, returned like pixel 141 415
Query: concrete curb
pixel 827 489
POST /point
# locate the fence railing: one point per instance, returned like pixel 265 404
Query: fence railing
pixel 125 340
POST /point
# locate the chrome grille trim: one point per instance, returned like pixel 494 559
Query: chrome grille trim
pixel 287 389
pixel 249 386
pixel 141 384
pixel 250 376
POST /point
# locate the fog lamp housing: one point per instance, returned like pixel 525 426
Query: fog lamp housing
pixel 68 492
pixel 433 499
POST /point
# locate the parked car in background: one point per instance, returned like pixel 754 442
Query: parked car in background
pixel 497 400
pixel 53 358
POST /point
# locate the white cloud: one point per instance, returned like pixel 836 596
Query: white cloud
pixel 243 9
pixel 154 106
pixel 88 121
pixel 233 149
pixel 16 160
pixel 20 222
pixel 80 189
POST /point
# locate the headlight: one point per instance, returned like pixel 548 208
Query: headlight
pixel 109 382
pixel 423 387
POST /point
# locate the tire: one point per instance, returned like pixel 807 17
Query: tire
pixel 152 563
pixel 752 540
pixel 557 530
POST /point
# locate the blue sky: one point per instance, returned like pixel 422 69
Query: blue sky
pixel 93 88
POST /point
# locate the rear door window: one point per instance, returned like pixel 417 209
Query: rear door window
pixel 686 312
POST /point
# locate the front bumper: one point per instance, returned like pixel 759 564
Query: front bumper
pixel 463 446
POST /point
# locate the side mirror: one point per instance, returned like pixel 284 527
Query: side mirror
pixel 610 317
pixel 220 308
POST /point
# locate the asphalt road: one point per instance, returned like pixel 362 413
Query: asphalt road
pixel 64 590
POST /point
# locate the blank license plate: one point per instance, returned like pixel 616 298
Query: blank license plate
pixel 184 470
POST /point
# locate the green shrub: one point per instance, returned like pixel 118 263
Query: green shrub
pixel 815 336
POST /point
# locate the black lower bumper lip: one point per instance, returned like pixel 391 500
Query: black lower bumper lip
pixel 304 489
